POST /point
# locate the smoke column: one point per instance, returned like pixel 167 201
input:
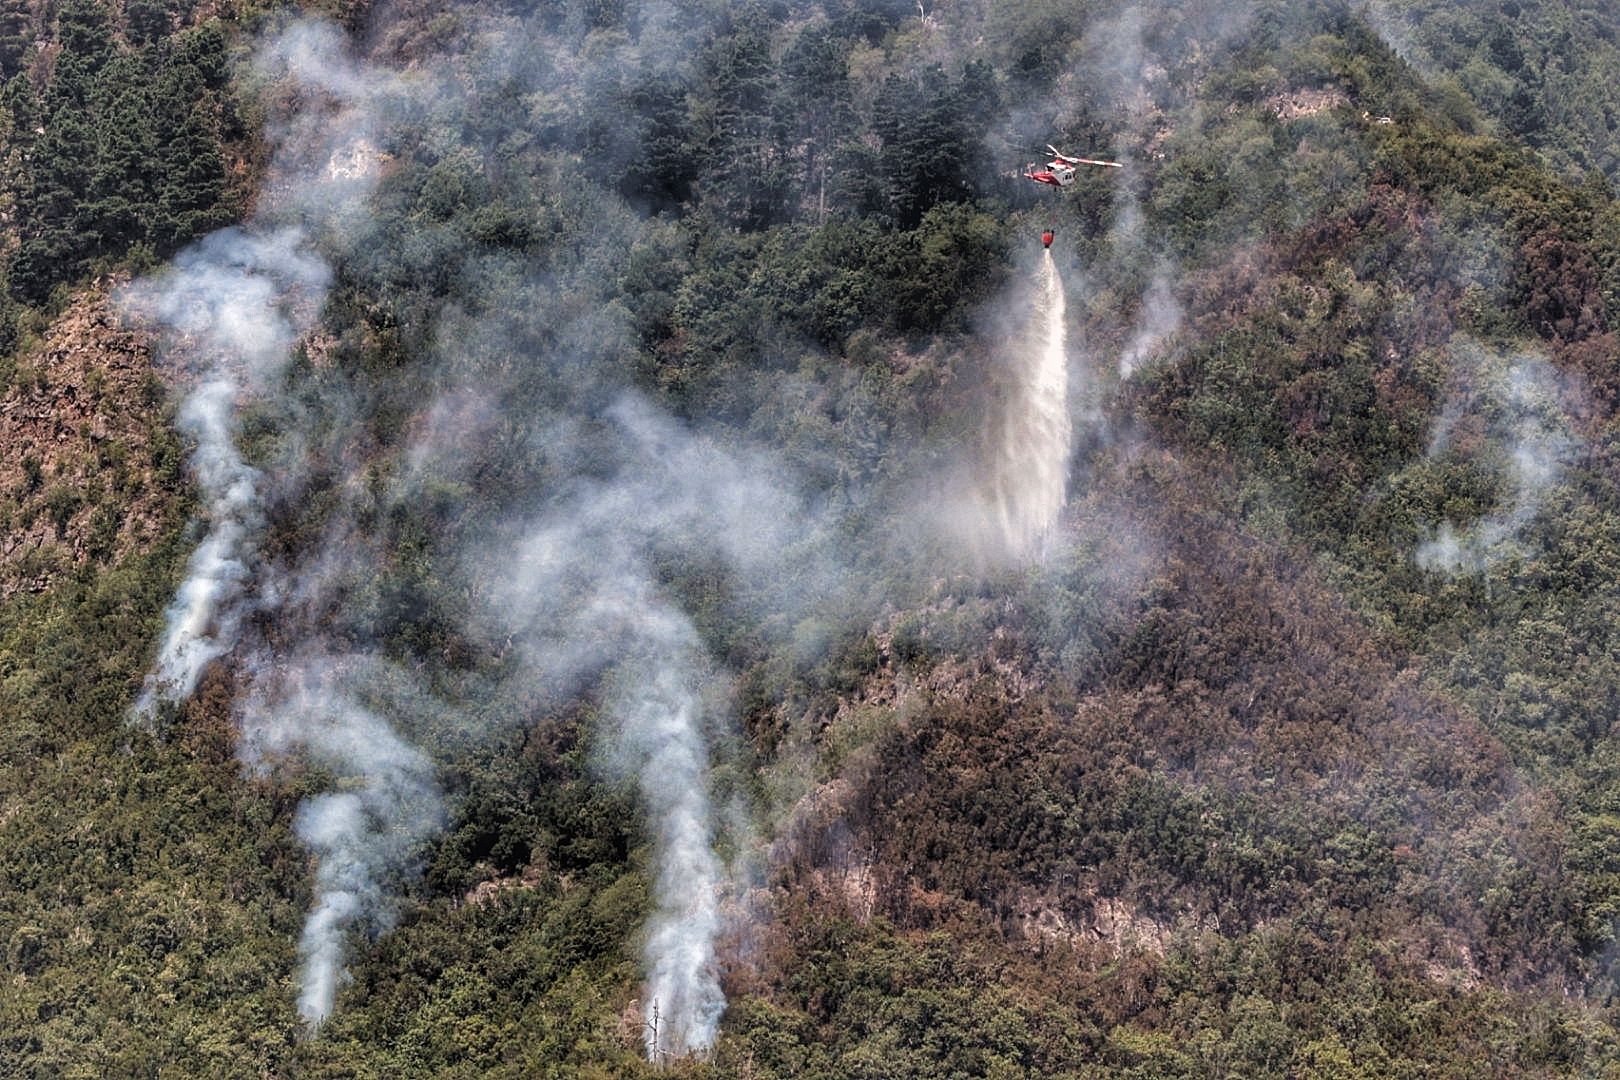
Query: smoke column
pixel 233 307
pixel 1159 318
pixel 201 621
pixel 1533 446
pixel 661 741
pixel 240 300
pixel 360 835
pixel 1029 464
pixel 586 603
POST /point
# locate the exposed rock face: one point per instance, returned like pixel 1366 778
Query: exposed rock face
pixel 83 477
pixel 1299 103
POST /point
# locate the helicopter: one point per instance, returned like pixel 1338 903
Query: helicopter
pixel 1061 170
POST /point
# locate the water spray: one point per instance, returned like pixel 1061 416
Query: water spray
pixel 1029 456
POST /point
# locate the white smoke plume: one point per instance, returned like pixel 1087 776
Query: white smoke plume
pixel 661 743
pixel 361 835
pixel 231 309
pixel 1123 72
pixel 230 312
pixel 1158 319
pixel 1397 33
pixel 583 617
pixel 578 590
pixel 1114 63
pixel 237 302
pixel 236 307
pixel 1527 433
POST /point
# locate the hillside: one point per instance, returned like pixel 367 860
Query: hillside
pixel 593 540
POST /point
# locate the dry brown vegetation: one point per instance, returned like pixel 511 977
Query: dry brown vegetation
pixel 81 479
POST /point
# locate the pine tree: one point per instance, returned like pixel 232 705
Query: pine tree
pixel 925 125
pixel 85 34
pixel 56 228
pixel 147 20
pixel 190 171
pixel 16 35
pixel 121 184
pixel 55 205
pixel 738 138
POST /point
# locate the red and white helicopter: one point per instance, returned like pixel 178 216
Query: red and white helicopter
pixel 1061 170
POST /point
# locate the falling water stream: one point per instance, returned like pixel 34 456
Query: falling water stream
pixel 1030 454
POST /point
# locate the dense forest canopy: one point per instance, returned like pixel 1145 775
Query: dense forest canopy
pixel 590 539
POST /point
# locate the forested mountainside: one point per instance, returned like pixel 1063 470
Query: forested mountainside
pixel 592 539
pixel 1540 70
